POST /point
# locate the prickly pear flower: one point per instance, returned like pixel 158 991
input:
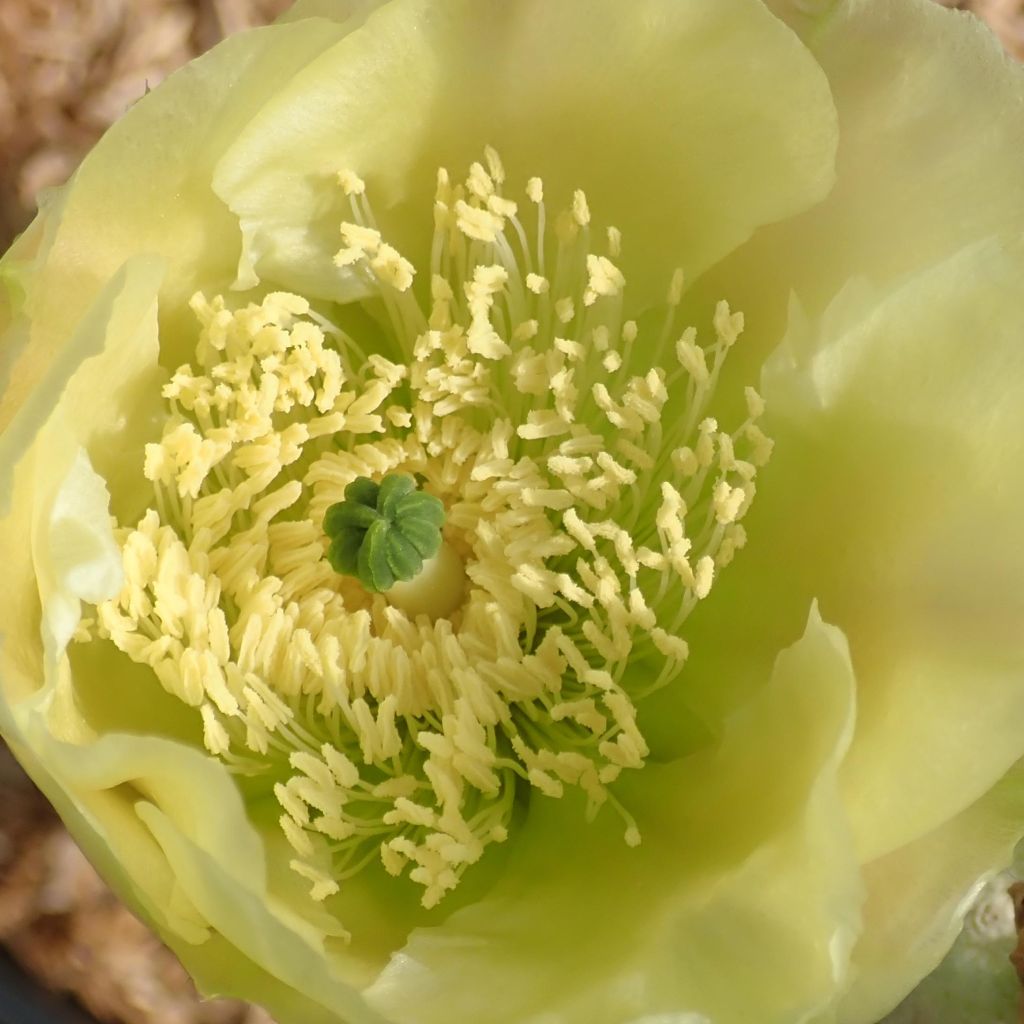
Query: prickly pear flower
pixel 513 510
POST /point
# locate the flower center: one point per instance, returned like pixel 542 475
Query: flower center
pixel 411 579
pixel 386 536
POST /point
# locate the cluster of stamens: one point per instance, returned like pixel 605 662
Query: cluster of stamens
pixel 581 525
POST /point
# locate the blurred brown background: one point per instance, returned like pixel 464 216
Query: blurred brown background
pixel 68 68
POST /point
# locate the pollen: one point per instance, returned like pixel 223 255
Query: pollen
pixel 583 502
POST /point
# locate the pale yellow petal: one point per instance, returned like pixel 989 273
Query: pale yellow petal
pixel 687 123
pixel 931 128
pixel 896 495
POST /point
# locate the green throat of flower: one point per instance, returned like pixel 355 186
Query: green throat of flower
pixel 415 577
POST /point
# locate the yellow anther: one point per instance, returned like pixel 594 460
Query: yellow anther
pixel 603 279
pixel 580 208
pixel 351 183
pixel 477 222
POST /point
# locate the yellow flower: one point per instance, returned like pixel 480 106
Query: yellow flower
pixel 429 599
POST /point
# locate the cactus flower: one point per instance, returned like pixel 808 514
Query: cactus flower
pixel 511 511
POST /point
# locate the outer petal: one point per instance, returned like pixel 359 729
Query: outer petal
pixel 115 349
pixel 740 904
pixel 899 425
pixel 688 123
pixel 931 127
pixel 18 266
pixel 168 857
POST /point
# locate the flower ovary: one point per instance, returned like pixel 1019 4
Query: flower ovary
pixel 382 534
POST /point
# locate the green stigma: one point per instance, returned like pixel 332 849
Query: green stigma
pixel 382 533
